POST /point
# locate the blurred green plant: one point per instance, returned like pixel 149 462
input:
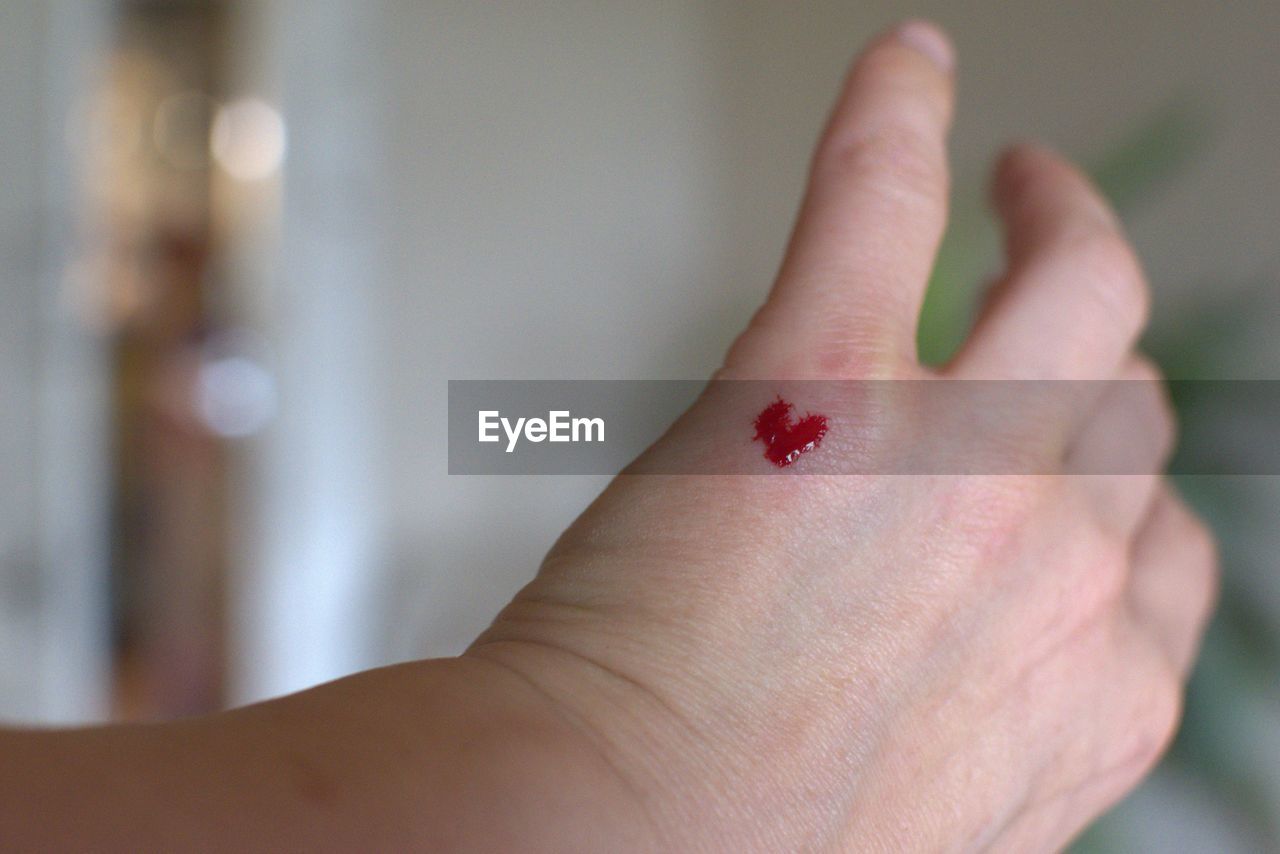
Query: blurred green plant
pixel 1216 745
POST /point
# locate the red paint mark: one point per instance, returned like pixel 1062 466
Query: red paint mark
pixel 785 440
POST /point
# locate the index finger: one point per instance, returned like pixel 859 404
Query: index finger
pixel 848 296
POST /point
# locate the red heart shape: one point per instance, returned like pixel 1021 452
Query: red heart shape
pixel 785 440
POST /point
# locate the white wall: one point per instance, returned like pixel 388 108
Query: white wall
pixel 53 649
pixel 558 194
pixel 311 263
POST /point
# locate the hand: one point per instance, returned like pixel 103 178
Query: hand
pixel 766 662
pixel 781 662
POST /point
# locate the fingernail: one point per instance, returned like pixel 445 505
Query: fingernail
pixel 929 40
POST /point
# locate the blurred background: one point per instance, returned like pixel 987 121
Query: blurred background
pixel 245 245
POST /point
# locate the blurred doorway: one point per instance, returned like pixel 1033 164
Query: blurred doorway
pixel 152 185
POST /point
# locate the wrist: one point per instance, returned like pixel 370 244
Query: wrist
pixel 537 776
pixel 682 785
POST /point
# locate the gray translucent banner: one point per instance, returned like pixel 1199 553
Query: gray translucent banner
pixel 916 427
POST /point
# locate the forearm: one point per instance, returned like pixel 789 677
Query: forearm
pixel 451 754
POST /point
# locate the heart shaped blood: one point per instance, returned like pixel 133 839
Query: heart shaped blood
pixel 784 439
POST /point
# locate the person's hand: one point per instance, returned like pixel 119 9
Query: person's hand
pixel 791 661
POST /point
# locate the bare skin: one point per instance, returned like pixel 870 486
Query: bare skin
pixel 702 663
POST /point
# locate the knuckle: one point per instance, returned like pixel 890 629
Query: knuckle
pixel 1094 570
pixel 1202 551
pixel 1201 543
pixel 845 354
pixel 1161 716
pixel 988 512
pixel 1160 416
pixel 1144 369
pixel 898 161
pixel 1107 575
pixel 1166 418
pixel 1163 435
pixel 1149 728
pixel 1001 505
pixel 1114 275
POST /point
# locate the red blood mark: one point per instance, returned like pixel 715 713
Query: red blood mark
pixel 785 440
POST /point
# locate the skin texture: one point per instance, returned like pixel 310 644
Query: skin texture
pixel 705 662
